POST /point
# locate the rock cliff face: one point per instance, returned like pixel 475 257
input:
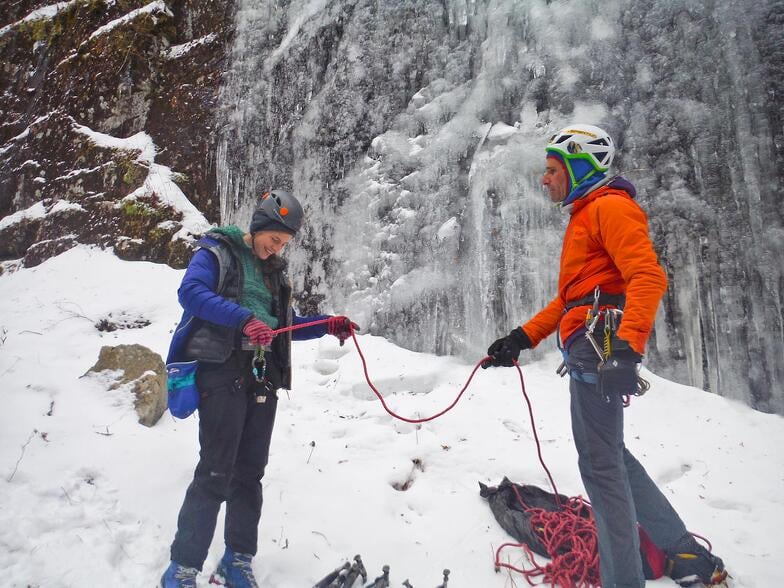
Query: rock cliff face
pixel 107 119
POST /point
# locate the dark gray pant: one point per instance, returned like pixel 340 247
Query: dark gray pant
pixel 234 435
pixel 620 490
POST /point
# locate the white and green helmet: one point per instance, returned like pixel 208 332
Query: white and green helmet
pixel 584 149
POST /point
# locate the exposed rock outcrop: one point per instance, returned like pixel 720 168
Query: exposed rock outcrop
pixel 107 128
pixel 143 372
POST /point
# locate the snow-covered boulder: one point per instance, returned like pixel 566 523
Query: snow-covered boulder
pixel 142 372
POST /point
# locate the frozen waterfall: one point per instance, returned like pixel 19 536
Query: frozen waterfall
pixel 414 133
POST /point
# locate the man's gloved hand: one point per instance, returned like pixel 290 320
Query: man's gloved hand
pixel 505 351
pixel 341 327
pixel 618 373
pixel 258 332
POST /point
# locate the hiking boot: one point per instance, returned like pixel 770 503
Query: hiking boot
pixel 234 571
pixel 691 564
pixel 177 576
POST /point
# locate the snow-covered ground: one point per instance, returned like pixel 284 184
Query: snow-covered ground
pixel 88 497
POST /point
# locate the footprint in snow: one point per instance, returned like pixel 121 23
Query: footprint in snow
pixel 722 504
pixel 669 476
pixel 331 350
pixel 408 481
pixel 326 367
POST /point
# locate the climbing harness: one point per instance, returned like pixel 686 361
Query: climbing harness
pixel 612 320
pixel 602 309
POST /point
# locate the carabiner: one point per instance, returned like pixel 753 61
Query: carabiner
pixel 259 364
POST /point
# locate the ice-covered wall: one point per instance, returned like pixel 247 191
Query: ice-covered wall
pixel 414 132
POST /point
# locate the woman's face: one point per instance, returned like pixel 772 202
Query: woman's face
pixel 267 243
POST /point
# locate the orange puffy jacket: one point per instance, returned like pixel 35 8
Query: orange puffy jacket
pixel 607 245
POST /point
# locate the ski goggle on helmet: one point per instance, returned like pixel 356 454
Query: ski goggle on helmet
pixel 278 208
pixel 584 149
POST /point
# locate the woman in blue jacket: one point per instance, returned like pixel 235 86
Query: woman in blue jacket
pixel 235 293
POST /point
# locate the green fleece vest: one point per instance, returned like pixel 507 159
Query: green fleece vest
pixel 256 297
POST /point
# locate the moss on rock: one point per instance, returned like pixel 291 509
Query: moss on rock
pixel 120 82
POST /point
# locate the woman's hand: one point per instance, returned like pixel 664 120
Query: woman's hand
pixel 341 327
pixel 258 332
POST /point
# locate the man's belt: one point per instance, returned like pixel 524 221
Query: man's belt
pixel 617 300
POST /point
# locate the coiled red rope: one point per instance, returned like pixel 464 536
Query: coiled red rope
pixel 570 540
pixel 567 535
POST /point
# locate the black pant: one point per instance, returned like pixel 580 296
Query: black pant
pixel 234 435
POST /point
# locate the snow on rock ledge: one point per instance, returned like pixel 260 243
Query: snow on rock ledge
pixel 108 126
pixel 123 200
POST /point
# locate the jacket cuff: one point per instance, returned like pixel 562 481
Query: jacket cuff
pixel 313 332
pixel 245 321
pixel 521 337
pixel 623 348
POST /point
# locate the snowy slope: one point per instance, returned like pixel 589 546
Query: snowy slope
pixel 88 497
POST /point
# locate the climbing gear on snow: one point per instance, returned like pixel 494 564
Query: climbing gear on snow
pixel 564 522
pixel 381 581
pixel 354 576
pixel 347 575
pixel 446 580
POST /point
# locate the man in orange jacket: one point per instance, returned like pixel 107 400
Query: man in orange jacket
pixel 607 264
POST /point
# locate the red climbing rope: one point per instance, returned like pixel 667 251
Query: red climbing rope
pixel 372 386
pixel 304 325
pixel 569 538
pixel 394 414
pixel 568 535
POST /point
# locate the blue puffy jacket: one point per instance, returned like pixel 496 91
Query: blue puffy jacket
pixel 197 295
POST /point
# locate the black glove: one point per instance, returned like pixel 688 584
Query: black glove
pixel 505 351
pixel 618 373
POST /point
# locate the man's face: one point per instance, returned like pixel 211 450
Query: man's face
pixel 556 179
